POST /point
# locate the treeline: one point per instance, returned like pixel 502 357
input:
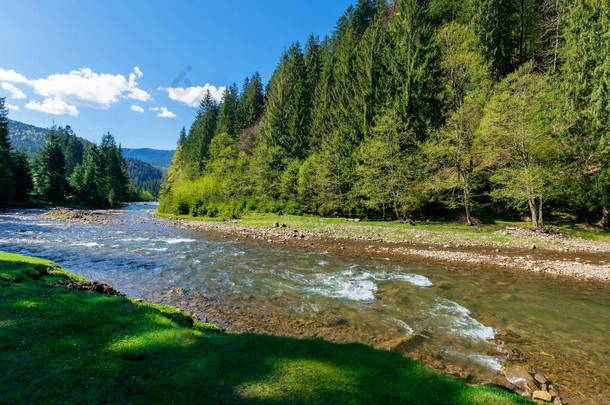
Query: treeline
pixel 66 169
pixel 438 108
pixel 145 179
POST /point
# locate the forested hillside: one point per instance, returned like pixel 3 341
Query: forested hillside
pixel 411 109
pixel 145 178
pixel 30 139
pixel 70 169
pixel 26 138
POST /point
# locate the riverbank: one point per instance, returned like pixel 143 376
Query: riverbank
pixel 65 339
pixel 576 254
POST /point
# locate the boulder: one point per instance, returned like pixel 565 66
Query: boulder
pixel 404 344
pixel 519 376
pixel 542 380
pixel 542 395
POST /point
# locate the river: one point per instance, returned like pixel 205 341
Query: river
pixel 563 326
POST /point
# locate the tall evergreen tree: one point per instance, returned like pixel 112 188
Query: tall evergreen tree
pixel 7 183
pixel 251 103
pixel 411 79
pixel 227 115
pixel 22 177
pixel 50 172
pixel 494 22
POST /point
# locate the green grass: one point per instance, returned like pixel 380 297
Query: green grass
pixel 430 231
pixel 59 345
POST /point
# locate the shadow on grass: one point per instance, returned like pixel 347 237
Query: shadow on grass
pixel 67 346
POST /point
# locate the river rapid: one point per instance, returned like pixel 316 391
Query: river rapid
pixel 453 318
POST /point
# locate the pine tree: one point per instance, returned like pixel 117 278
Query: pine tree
pixel 22 176
pixel 7 183
pixel 117 178
pixel 494 22
pixel 227 115
pixel 411 81
pixel 182 137
pixel 50 173
pixel 251 103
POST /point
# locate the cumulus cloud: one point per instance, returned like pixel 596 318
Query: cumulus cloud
pixel 192 96
pixel 136 108
pixel 54 106
pixel 163 112
pixel 15 92
pixel 12 76
pixel 12 107
pixel 82 87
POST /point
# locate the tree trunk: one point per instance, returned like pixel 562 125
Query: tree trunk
pixel 467 206
pixel 532 204
pixel 540 220
pixel 605 221
pixel 556 38
pixel 521 56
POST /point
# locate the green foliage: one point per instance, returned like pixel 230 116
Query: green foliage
pixel 413 108
pixel 22 176
pixel 50 170
pixel 7 182
pixel 517 130
pixel 144 178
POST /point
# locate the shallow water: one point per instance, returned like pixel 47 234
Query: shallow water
pixel 564 325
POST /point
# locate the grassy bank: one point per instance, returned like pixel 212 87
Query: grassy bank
pixel 59 345
pixel 427 232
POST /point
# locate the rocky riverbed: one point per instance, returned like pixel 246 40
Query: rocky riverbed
pixel 540 344
pixel 80 215
pixel 571 257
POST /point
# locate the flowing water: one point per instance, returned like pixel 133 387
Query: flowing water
pixel 455 312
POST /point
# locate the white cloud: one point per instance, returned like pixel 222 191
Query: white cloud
pixel 12 76
pixel 82 87
pixel 12 107
pixel 136 108
pixel 192 96
pixel 15 92
pixel 54 106
pixel 163 112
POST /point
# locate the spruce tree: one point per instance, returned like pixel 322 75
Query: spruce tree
pixel 7 183
pixel 50 174
pixel 227 115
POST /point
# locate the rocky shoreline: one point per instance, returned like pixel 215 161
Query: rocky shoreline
pixel 80 215
pixel 575 257
pixel 243 319
pixel 517 375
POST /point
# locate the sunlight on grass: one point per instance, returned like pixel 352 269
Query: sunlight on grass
pixel 298 378
pixel 158 337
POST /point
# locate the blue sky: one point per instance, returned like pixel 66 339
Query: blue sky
pixel 103 66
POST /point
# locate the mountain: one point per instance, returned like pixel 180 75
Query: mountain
pixel 161 159
pixel 29 139
pixel 144 176
pixel 25 137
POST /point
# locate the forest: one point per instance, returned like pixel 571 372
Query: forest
pixel 416 109
pixel 70 169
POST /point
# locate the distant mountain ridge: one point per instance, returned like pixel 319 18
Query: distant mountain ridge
pixel 161 159
pixel 29 139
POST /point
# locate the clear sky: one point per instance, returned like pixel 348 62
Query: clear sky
pixel 136 68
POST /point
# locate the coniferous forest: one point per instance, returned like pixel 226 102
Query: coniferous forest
pixel 67 169
pixel 416 109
